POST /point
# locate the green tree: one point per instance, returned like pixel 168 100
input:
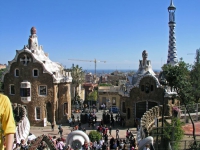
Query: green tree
pixel 78 76
pixel 105 84
pixel 173 132
pixel 195 79
pixel 95 136
pixel 178 78
pixel 1 74
pixel 92 95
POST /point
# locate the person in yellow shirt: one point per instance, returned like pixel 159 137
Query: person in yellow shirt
pixel 7 123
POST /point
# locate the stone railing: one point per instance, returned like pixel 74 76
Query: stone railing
pixel 34 144
pixel 148 119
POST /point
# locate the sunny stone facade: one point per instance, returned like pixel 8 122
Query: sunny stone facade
pixel 41 85
pixel 109 96
pixel 143 92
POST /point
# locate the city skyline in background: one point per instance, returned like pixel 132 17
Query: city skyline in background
pixel 114 31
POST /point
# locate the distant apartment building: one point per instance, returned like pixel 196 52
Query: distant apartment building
pixel 109 96
pixel 2 66
pixel 80 90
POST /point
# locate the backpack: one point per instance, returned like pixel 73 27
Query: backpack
pixel 61 129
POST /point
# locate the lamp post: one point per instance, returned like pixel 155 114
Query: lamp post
pixel 164 83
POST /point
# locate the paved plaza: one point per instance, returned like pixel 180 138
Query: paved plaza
pixel 67 129
pixel 188 129
pixel 37 131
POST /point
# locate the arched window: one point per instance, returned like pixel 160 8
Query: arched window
pixel 12 89
pixel 142 88
pixel 37 113
pixel 129 114
pixel 123 107
pixel 16 72
pixel 151 87
pixel 147 88
pixel 35 72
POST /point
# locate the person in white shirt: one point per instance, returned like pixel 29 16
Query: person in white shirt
pixel 98 145
pixel 101 142
pixel 95 144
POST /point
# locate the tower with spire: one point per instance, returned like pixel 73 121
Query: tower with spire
pixel 172 52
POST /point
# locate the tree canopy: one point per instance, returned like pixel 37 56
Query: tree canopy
pixel 78 75
pixel 92 96
pixel 195 80
pixel 178 78
pixel 181 79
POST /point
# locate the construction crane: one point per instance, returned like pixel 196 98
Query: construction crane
pixel 95 62
pixel 197 55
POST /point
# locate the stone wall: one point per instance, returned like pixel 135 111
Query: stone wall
pixel 51 99
pixel 109 95
pixel 137 95
pixel 64 97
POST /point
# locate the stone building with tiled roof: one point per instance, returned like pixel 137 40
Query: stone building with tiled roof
pixel 41 85
pixel 143 93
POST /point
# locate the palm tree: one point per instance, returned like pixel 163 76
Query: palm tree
pixel 78 76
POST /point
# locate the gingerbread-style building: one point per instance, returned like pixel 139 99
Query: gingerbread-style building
pixel 41 85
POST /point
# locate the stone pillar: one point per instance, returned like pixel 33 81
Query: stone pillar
pixel 55 92
pixel 68 93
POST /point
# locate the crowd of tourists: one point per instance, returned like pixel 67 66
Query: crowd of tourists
pixel 104 129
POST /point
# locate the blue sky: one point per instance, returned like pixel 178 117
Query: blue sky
pixel 115 31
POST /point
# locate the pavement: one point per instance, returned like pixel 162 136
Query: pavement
pixel 37 131
pixel 188 128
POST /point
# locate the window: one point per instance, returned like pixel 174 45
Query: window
pixel 16 72
pixel 42 90
pixel 103 100
pixel 151 87
pixel 25 92
pixel 12 89
pixel 129 114
pixel 142 88
pixel 37 113
pixel 123 107
pixel 65 109
pixel 114 101
pixel 35 73
pixel 147 88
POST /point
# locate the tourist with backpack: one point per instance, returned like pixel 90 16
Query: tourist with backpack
pixel 60 130
pixel 60 145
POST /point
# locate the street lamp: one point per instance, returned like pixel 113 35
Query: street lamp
pixel 164 83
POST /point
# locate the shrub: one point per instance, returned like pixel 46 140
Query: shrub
pixel 94 136
pixel 105 84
